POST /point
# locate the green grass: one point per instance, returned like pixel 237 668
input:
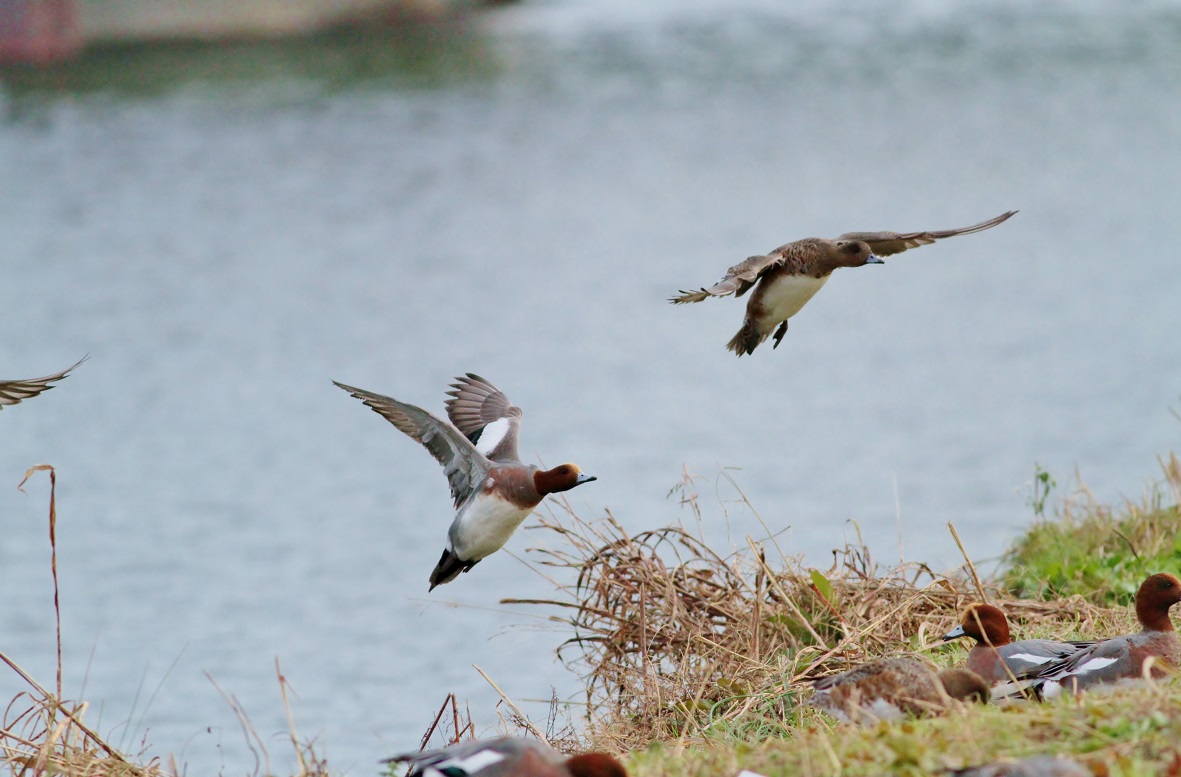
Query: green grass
pixel 1099 552
pixel 739 699
pixel 1132 732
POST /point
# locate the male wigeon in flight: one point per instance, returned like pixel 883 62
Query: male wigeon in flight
pixel 892 688
pixel 12 392
pixel 507 757
pixel 786 278
pixel 1123 658
pixel 998 659
pixel 492 489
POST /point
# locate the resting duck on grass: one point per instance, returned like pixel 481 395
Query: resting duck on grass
pixel 12 392
pixel 507 757
pixel 1126 657
pixel 493 491
pixel 998 659
pixel 892 688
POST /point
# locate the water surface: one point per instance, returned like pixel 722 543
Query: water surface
pixel 225 230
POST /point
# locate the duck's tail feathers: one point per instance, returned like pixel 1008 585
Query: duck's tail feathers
pixel 448 568
pixel 747 339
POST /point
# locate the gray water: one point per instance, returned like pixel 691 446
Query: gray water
pixel 225 230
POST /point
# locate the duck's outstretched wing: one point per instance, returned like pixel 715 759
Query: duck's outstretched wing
pixel 485 416
pixel 12 392
pixel 737 280
pixel 887 243
pixel 464 466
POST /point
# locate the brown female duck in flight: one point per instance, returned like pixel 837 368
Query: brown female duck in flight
pixel 786 278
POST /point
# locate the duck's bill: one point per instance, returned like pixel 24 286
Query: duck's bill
pixel 955 633
pixel 584 478
pixel 875 259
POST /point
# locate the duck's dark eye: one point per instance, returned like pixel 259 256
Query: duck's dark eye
pixel 852 248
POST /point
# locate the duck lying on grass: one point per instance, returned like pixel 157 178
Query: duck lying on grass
pixel 1127 657
pixel 998 659
pixel 507 757
pixel 892 688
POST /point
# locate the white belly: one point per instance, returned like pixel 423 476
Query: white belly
pixel 784 298
pixel 483 526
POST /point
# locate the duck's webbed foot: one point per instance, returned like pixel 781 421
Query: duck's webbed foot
pixel 779 333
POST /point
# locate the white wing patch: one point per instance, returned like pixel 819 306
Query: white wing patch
pixel 1094 665
pixel 1029 658
pixel 470 765
pixel 492 435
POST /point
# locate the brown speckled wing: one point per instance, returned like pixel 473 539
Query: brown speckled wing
pixel 905 682
pixel 464 466
pixel 737 280
pixel 474 406
pixel 849 677
pixel 887 243
pixel 12 392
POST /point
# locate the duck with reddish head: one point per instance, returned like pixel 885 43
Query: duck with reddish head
pixel 1130 657
pixel 998 659
pixel 493 491
pixel 507 757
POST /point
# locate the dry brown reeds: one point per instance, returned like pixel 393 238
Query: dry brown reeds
pixel 460 725
pixel 42 734
pixel 676 641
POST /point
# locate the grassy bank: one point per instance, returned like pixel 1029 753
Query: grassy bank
pixel 1099 551
pixel 696 663
pixel 1134 732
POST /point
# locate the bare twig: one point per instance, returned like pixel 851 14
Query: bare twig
pixel 53 553
pixel 430 732
pixel 517 710
pixel 971 567
pixel 248 731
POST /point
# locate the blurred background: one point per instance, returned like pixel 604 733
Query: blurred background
pixel 228 205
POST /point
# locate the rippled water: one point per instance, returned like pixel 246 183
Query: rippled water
pixel 225 230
